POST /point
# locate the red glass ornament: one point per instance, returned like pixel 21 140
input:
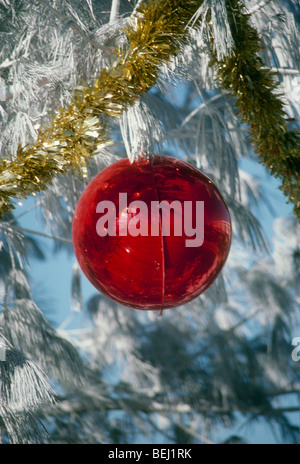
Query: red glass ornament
pixel 139 262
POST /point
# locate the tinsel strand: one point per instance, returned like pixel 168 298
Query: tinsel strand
pixel 254 87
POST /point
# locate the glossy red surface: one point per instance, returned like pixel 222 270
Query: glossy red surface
pixel 151 271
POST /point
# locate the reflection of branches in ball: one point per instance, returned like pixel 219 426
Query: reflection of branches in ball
pixel 142 256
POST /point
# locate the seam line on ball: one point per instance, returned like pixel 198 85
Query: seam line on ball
pixel 161 242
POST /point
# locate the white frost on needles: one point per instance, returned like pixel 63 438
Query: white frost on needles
pixel 140 130
pixel 219 28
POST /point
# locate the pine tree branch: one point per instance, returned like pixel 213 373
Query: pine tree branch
pixel 77 133
pixel 114 12
pixel 74 26
pixel 285 391
pixel 259 6
pixel 4 226
pixel 286 71
pixel 16 218
pixel 243 321
pixel 254 89
pixel 64 406
pixel 158 429
pixel 69 406
pixel 201 107
pixel 137 6
pixel 194 434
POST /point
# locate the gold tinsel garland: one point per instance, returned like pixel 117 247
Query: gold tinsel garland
pixel 253 86
pixel 156 33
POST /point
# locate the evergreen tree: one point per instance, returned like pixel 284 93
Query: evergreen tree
pixel 201 89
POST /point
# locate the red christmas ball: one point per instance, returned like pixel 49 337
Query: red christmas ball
pixel 152 234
